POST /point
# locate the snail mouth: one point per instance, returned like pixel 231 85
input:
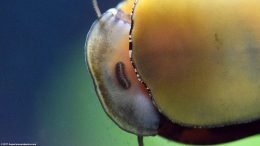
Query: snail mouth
pixel 123 98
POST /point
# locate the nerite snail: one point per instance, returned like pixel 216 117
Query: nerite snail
pixel 185 70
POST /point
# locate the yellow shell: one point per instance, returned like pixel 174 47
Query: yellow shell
pixel 201 59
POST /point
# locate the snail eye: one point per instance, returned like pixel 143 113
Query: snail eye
pixel 122 96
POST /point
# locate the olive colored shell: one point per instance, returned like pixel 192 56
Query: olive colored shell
pixel 201 59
